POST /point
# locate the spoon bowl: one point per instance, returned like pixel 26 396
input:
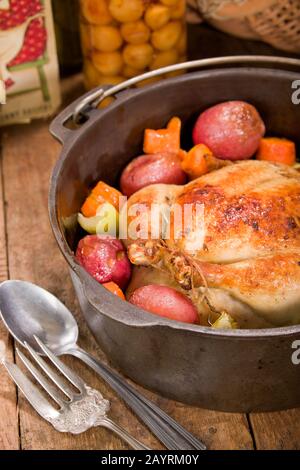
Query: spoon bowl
pixel 28 310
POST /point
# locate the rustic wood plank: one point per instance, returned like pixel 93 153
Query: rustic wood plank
pixel 279 430
pixel 29 155
pixel 219 431
pixel 9 427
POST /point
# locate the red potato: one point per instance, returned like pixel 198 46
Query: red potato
pixel 232 130
pixel 166 302
pixel 151 169
pixel 104 257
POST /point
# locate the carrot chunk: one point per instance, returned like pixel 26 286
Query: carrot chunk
pixel 163 140
pixel 274 149
pixel 194 163
pixel 100 194
pixel 114 289
pixel 200 160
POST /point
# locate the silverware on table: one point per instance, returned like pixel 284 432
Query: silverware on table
pixel 78 411
pixel 27 310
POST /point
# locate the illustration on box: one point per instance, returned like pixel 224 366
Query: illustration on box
pixel 23 46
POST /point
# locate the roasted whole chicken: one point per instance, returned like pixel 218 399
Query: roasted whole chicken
pixel 242 259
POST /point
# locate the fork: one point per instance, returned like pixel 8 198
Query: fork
pixel 83 410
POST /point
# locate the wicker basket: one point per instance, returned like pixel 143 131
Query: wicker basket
pixel 279 25
pixel 276 22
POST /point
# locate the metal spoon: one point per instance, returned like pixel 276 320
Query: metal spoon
pixel 28 310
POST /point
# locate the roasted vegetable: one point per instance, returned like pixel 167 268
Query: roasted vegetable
pixel 151 169
pixel 166 302
pixel 225 322
pixel 100 194
pixel 273 149
pixel 114 289
pixel 232 130
pixel 104 257
pixel 200 160
pixel 163 140
pixel 105 222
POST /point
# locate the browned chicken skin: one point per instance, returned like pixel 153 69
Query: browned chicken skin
pixel 248 262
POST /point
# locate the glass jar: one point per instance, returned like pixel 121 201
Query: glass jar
pixel 124 38
pixel 66 15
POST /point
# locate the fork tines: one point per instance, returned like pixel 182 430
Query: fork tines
pixel 31 391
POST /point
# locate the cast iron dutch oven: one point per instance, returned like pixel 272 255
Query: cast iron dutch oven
pixel 239 370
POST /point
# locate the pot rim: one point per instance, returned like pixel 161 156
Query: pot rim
pixel 112 306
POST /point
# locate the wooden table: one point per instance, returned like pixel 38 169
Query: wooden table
pixel 28 251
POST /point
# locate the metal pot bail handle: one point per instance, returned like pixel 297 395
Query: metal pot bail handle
pixel 85 108
pixel 63 125
pixel 92 100
pixel 80 111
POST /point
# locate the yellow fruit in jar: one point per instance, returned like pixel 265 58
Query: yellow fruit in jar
pixel 148 81
pixel 107 63
pixel 125 11
pixel 85 37
pixel 130 72
pixel 135 32
pixel 157 16
pixel 106 38
pixel 178 11
pixel 95 11
pixel 106 102
pixel 175 73
pixel 91 75
pixel 181 45
pixel 169 3
pixel 166 37
pixel 110 80
pixel 162 59
pixel 138 56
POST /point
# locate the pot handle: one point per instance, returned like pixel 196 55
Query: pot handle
pixel 59 128
pixel 92 100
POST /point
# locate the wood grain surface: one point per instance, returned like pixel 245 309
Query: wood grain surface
pixel 9 412
pixel 28 251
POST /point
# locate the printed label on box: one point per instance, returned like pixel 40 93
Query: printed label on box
pixel 28 61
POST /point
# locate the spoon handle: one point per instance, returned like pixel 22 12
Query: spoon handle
pixel 165 428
